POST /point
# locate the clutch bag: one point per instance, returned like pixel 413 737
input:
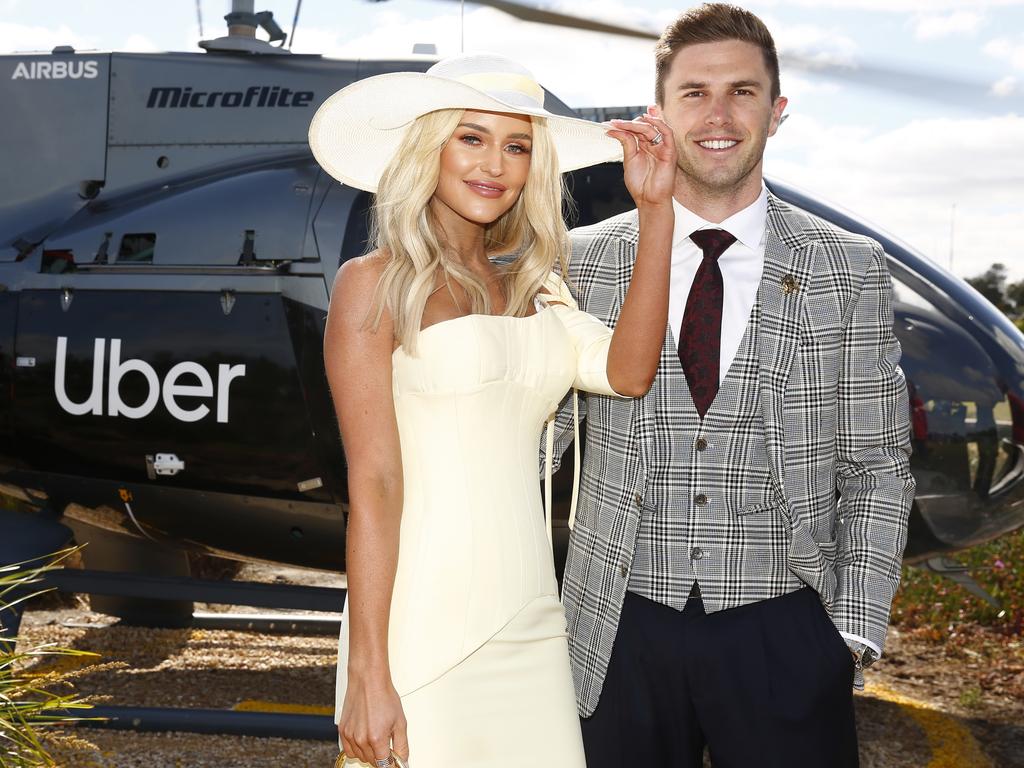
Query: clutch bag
pixel 399 762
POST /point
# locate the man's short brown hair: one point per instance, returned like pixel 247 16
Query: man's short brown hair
pixel 713 23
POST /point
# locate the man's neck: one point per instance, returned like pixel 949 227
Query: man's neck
pixel 716 205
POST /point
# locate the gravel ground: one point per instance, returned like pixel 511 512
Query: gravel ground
pixel 927 704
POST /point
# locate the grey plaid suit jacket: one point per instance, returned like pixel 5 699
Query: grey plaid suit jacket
pixel 836 417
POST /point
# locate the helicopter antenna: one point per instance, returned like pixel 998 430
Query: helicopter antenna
pixel 199 15
pixel 295 23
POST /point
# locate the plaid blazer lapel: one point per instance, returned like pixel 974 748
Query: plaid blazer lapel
pixel 788 267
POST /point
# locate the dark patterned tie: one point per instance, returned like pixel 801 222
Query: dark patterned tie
pixel 700 338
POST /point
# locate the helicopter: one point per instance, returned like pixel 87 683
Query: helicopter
pixel 166 263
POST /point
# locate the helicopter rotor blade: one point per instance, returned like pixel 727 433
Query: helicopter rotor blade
pixel 558 19
pixel 971 94
pixel 554 18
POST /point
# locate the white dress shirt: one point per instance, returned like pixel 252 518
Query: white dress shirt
pixel 742 264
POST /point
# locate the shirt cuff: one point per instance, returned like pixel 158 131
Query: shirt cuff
pixel 858 639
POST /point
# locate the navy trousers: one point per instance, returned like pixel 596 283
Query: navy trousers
pixel 765 685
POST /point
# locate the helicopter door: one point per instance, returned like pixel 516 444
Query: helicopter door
pixel 173 361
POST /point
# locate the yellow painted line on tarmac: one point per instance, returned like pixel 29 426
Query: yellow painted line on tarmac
pixel 258 705
pixel 951 742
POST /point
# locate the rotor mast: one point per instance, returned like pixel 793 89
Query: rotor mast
pixel 241 36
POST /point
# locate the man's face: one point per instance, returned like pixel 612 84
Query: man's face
pixel 717 100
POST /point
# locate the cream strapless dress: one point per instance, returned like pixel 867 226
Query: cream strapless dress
pixel 477 639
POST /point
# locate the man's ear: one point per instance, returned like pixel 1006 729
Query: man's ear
pixel 777 109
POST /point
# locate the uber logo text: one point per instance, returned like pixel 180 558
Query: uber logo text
pixel 171 389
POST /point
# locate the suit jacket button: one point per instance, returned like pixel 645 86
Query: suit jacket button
pixel 701 499
pixel 639 499
pixel 696 553
pixel 623 570
pixel 702 444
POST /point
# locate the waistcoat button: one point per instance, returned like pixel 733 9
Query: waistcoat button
pixel 702 444
pixel 696 553
pixel 701 499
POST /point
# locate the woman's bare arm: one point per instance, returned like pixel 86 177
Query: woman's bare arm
pixel 358 364
pixel 649 172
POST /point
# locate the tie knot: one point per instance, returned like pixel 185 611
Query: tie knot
pixel 712 242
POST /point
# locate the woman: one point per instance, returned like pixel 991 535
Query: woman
pixel 444 366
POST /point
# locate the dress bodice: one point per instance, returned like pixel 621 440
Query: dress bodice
pixel 470 407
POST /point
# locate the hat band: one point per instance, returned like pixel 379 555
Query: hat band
pixel 502 81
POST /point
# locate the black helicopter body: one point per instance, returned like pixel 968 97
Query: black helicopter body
pixel 167 249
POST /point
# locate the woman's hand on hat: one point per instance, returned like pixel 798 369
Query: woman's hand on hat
pixel 648 159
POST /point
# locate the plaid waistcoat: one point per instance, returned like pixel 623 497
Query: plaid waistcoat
pixel 703 477
pixel 832 509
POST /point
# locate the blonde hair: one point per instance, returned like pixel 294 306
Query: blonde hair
pixel 404 231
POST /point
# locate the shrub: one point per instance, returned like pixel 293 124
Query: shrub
pixel 28 703
pixel 926 599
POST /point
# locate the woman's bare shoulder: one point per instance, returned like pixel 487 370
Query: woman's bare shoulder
pixel 362 272
pixel 356 279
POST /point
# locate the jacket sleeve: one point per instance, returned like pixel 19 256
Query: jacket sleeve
pixel 876 488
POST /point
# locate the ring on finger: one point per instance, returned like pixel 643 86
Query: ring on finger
pixel 657 138
pixel 386 762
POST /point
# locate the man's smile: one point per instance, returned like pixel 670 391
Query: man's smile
pixel 718 144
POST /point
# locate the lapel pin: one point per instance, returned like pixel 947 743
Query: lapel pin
pixel 790 285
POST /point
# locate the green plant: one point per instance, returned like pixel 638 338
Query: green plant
pixel 927 600
pixel 28 702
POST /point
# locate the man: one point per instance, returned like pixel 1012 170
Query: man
pixel 740 527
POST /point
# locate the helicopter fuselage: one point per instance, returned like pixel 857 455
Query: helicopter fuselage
pixel 167 250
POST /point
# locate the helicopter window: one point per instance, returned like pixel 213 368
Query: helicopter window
pixel 904 294
pixel 961 417
pixel 137 248
pixel 57 262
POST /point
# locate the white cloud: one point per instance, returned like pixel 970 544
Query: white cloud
pixel 1006 49
pixel 826 43
pixel 140 44
pixel 1005 87
pixel 907 179
pixel 795 87
pixel 20 38
pixel 931 27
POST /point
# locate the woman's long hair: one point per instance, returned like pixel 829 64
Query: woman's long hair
pixel 404 231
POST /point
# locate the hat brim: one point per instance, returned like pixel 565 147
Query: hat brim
pixel 356 131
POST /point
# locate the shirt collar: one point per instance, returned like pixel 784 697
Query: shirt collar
pixel 747 225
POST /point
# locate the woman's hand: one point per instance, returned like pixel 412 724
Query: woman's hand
pixel 649 163
pixel 372 721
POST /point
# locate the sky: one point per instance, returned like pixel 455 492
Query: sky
pixel 934 156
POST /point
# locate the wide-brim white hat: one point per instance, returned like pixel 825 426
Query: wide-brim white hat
pixel 355 132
